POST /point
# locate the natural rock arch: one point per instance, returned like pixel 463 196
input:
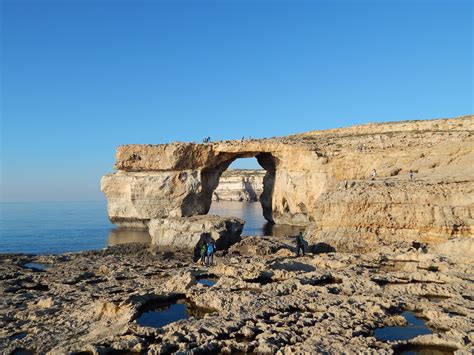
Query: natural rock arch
pixel 318 178
pixel 178 180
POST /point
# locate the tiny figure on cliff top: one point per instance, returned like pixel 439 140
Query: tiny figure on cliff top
pixel 374 174
pixel 300 243
pixel 419 247
pixel 411 174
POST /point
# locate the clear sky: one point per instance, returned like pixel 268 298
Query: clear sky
pixel 80 77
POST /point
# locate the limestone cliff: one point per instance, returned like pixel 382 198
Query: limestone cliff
pixel 318 178
pixel 239 185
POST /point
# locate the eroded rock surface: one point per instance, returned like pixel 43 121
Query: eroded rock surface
pixel 319 178
pixel 270 302
pixel 185 232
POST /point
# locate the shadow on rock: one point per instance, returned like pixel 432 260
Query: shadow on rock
pixel 320 248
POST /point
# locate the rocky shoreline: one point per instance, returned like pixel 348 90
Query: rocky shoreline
pixel 264 300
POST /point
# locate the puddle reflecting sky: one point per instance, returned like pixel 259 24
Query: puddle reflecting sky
pixel 207 282
pixel 36 266
pixel 161 314
pixel 414 327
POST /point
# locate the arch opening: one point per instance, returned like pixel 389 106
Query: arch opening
pixel 242 186
pixel 244 190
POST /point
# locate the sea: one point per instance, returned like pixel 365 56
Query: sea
pixel 60 227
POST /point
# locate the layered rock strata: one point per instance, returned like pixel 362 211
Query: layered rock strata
pixel 239 185
pixel 318 178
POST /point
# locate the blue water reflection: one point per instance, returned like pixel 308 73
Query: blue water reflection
pixel 252 213
pixel 414 327
pixel 59 227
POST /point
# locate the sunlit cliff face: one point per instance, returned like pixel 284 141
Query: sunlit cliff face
pixel 319 178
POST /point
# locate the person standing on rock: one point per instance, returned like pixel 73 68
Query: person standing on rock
pixel 211 248
pixel 374 174
pixel 299 243
pixel 203 251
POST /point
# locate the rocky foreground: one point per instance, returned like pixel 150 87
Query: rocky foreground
pixel 265 299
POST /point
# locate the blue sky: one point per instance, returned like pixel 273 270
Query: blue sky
pixel 80 77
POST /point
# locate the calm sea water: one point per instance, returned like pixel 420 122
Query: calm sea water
pixel 58 227
pixel 252 213
pixel 53 227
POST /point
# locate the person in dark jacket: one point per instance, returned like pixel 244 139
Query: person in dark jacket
pixel 300 243
pixel 200 251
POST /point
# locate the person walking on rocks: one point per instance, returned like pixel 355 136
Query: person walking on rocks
pixel 300 243
pixel 211 248
pixel 203 253
pixel 410 174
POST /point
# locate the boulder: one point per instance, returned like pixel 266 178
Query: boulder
pixel 186 232
pixel 259 246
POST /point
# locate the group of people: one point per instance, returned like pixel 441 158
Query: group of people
pixel 206 139
pixel 207 249
pixel 248 138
